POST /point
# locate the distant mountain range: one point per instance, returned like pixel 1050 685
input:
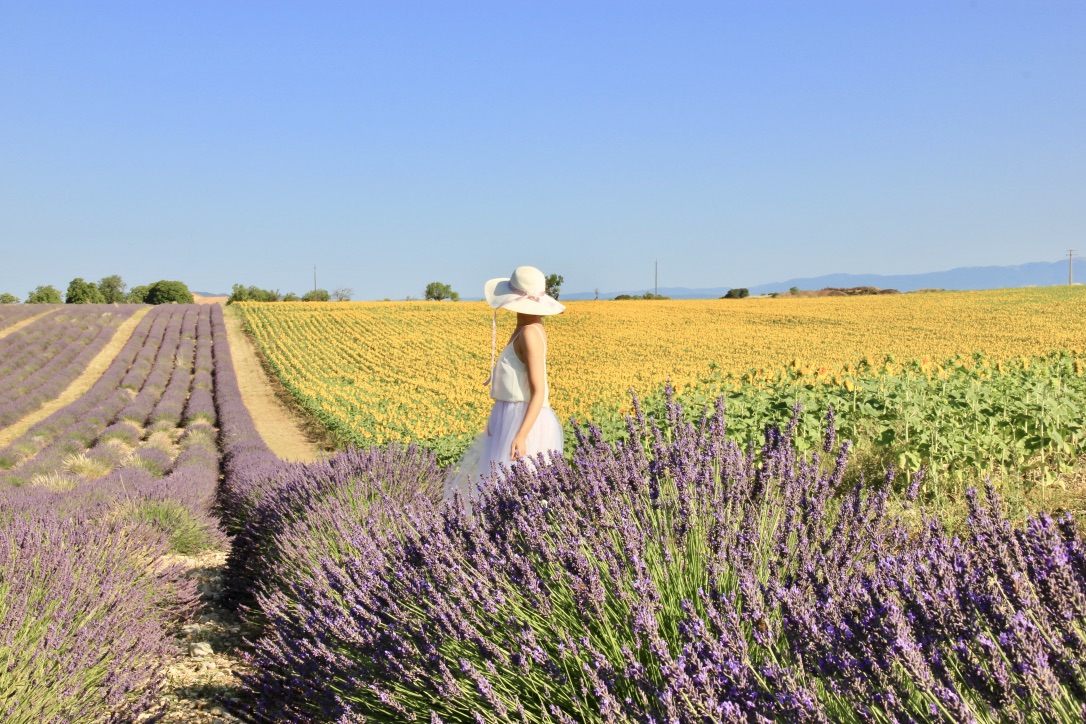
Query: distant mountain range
pixel 1036 274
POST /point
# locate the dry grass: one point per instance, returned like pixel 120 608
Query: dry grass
pixel 60 482
pixel 88 467
pixel 164 441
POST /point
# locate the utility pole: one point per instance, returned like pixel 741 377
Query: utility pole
pixel 1070 267
pixel 314 277
pixel 657 278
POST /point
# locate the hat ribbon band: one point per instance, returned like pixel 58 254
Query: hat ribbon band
pixel 540 297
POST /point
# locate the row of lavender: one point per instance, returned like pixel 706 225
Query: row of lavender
pixel 40 360
pixel 667 578
pixel 12 314
pixel 92 499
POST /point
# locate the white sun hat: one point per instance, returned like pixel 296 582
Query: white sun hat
pixel 525 291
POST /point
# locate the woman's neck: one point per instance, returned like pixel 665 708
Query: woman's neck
pixel 524 320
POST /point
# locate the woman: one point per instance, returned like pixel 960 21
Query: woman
pixel 522 423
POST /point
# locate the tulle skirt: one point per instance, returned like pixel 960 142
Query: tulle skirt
pixel 492 446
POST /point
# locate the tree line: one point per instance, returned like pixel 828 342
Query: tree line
pixel 108 290
pixel 242 293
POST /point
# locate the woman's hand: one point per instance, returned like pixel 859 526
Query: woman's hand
pixel 520 447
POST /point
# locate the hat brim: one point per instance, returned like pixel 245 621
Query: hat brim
pixel 500 295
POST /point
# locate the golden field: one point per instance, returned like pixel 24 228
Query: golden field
pixel 415 370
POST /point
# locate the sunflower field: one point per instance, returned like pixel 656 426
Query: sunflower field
pixel 415 371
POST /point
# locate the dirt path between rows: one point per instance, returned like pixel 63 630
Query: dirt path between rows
pixel 203 685
pixel 23 323
pixel 79 387
pixel 275 423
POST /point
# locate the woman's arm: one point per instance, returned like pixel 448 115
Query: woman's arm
pixel 532 348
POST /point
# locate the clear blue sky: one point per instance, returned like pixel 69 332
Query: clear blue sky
pixel 396 143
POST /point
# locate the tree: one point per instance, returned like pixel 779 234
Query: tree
pixel 137 295
pixel 317 295
pixel 168 292
pixel 646 295
pixel 738 293
pixel 47 294
pixel 439 292
pixel 242 293
pixel 554 284
pixel 343 294
pixel 793 290
pixel 83 292
pixel 112 288
pixel 290 297
pixel 7 298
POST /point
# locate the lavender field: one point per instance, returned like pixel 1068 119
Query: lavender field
pixel 91 498
pixel 40 360
pixel 673 573
pixel 668 578
pixel 12 314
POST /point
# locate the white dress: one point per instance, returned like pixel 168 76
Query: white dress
pixel 511 392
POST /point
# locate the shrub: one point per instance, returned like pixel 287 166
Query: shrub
pixel 112 289
pixel 83 619
pixel 137 295
pixel 7 298
pixel 317 295
pixel 670 578
pixel 739 293
pixel 316 495
pixel 439 292
pixel 554 284
pixel 241 293
pixel 646 295
pixel 47 294
pixel 168 292
pixel 83 292
pixel 185 534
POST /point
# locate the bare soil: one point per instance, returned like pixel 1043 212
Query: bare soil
pixel 201 299
pixel 282 430
pixel 203 685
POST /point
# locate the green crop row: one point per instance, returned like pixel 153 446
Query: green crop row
pixel 961 421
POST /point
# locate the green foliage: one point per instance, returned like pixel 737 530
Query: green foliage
pixel 646 295
pixel 47 294
pixel 112 289
pixel 439 291
pixel 965 419
pixel 187 535
pixel 738 293
pixel 83 292
pixel 291 297
pixel 317 295
pixel 137 295
pixel 7 298
pixel 793 290
pixel 168 292
pixel 242 293
pixel 554 284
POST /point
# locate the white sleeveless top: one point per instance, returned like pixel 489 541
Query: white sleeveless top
pixel 509 381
